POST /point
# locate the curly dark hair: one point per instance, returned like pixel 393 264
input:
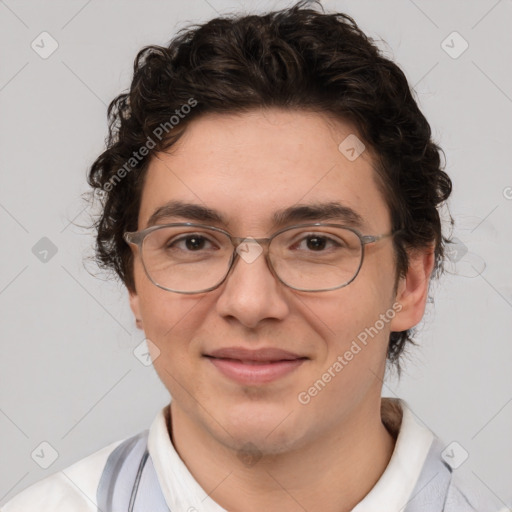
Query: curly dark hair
pixel 296 58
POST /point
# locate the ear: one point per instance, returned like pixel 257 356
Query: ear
pixel 412 290
pixel 134 305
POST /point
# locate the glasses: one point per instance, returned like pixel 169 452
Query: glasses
pixel 192 258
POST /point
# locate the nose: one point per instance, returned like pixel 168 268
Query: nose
pixel 251 293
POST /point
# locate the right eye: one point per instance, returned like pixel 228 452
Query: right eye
pixel 192 242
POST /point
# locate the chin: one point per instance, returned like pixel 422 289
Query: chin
pixel 250 445
pixel 273 428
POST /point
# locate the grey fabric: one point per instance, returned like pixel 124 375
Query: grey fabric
pixel 129 482
pixel 432 486
pixel 441 488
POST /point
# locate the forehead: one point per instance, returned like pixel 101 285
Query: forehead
pixel 251 167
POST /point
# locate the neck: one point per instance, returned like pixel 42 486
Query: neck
pixel 331 474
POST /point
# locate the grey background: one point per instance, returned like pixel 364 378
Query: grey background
pixel 68 373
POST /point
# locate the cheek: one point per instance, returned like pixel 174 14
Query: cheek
pixel 161 311
pixel 170 322
pixel 168 318
pixel 356 351
pixel 356 319
pixel 343 317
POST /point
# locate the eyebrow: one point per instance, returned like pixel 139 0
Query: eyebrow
pixel 332 210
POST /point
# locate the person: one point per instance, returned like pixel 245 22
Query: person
pixel 270 199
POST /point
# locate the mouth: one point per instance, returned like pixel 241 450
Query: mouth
pixel 254 366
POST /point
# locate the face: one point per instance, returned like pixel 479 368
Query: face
pixel 246 167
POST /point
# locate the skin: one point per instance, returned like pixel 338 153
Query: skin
pixel 323 456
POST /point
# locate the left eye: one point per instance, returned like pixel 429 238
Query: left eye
pixel 317 243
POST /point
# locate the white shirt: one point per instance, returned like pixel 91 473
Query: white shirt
pixel 74 488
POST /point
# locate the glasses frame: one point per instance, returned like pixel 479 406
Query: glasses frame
pixel 136 238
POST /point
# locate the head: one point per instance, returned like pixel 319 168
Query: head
pixel 246 116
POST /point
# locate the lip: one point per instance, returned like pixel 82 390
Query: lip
pixel 259 355
pixel 254 366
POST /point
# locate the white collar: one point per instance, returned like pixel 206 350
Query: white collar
pixel 390 493
pixel 394 488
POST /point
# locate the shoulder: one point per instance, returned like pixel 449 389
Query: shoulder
pixel 73 488
pixel 441 485
pixel 467 494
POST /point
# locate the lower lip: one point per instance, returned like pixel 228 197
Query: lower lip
pixel 246 373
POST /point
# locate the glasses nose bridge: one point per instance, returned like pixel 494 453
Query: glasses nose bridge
pixel 264 243
pixel 237 241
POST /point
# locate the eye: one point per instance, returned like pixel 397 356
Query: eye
pixel 318 242
pixel 193 242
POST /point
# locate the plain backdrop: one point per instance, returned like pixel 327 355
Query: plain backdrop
pixel 69 376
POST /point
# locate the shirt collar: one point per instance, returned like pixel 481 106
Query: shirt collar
pixel 391 492
pixel 394 488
